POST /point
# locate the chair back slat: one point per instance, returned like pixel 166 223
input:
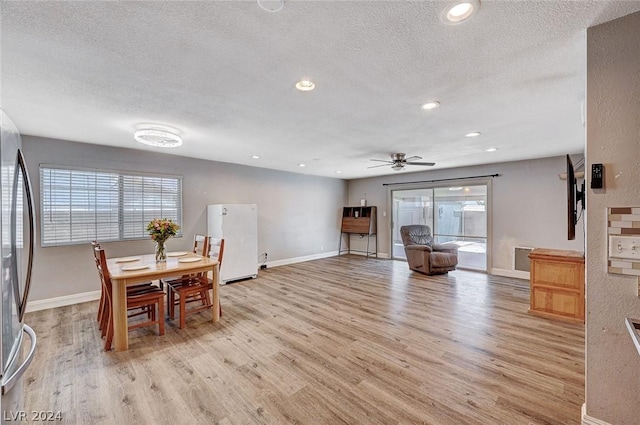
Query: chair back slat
pixel 103 271
pixel 217 250
pixel 96 246
pixel 201 245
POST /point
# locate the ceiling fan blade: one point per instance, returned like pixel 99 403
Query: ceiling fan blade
pixel 381 165
pixel 382 160
pixel 421 163
pixel 411 158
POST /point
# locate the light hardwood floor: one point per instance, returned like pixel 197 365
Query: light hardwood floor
pixel 340 340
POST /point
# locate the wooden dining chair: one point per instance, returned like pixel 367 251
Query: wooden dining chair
pixel 216 252
pixel 142 301
pixel 94 245
pixel 138 288
pixel 200 247
pixel 187 289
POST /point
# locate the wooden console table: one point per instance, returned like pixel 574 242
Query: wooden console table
pixel 557 284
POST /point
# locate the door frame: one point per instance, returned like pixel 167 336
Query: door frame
pixel 488 181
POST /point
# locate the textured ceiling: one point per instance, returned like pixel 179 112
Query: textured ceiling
pixel 223 73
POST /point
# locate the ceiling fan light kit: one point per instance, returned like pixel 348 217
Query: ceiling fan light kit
pixel 399 161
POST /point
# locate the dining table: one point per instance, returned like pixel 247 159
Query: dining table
pixel 127 271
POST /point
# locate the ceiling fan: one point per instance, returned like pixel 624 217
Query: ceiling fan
pixel 399 160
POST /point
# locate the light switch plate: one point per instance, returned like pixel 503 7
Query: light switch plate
pixel 627 247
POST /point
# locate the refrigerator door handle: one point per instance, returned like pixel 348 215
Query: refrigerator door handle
pixel 11 381
pixel 22 167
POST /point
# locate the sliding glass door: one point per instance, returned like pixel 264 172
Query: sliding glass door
pixel 457 216
pixel 410 207
pixel 461 219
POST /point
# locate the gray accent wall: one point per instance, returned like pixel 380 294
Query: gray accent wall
pixel 613 138
pixel 298 215
pixel 528 204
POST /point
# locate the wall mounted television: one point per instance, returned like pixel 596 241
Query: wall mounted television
pixel 575 195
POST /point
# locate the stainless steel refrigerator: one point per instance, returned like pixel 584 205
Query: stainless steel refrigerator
pixel 16 248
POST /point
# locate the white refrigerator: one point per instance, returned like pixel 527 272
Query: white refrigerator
pixel 237 224
pixel 17 239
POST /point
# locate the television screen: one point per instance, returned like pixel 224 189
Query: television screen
pixel 571 201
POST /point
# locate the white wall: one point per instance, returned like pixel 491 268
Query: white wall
pixel 613 138
pixel 298 215
pixel 528 204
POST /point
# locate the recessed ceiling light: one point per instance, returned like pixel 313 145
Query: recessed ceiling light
pixel 255 157
pixel 302 165
pixel 271 5
pixel 459 11
pixel 491 150
pixel 338 172
pixel 305 85
pixel 430 105
pixel 158 138
pixel 473 134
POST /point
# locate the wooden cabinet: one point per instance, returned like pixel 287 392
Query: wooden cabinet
pixel 557 284
pixel 362 221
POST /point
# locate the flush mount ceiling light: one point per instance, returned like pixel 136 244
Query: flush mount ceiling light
pixel 459 11
pixel 305 85
pixel 429 106
pixel 302 165
pixel 473 134
pixel 338 172
pixel 255 157
pixel 491 150
pixel 158 138
pixel 271 5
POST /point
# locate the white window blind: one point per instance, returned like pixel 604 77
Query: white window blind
pixel 78 206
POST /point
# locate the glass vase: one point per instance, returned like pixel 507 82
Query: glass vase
pixel 161 252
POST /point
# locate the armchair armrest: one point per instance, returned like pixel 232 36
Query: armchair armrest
pixel 418 248
pixel 451 249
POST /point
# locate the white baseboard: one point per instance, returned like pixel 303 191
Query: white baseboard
pixel 364 254
pixel 511 273
pixel 294 260
pixel 588 420
pixel 62 301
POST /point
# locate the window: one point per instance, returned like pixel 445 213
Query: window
pixel 78 206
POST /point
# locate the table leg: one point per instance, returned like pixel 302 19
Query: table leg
pixel 215 301
pixel 119 308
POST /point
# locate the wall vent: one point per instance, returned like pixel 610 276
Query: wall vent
pixel 521 258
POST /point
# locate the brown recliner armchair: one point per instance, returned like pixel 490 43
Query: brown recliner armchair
pixel 423 255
